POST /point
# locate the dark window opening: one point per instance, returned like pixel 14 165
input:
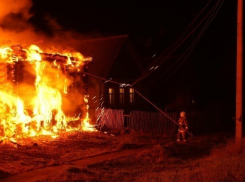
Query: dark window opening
pixel 121 92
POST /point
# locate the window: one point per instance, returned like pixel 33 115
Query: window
pixel 111 96
pixel 131 95
pixel 121 92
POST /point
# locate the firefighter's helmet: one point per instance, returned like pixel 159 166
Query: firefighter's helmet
pixel 182 114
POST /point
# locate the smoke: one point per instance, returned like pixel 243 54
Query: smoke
pixel 16 29
pixel 14 26
pixel 20 7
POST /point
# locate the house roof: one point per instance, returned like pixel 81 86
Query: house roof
pixel 104 52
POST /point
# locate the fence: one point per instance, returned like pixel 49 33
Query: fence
pixel 155 122
pixel 151 122
pixel 148 122
pixel 112 118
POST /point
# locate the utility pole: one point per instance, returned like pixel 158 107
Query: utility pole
pixel 239 74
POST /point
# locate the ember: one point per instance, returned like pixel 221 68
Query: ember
pixel 35 93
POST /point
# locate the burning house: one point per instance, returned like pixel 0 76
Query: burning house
pixel 41 93
pixel 47 90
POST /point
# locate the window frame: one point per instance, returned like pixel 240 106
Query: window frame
pixel 121 95
pixel 131 95
pixel 111 95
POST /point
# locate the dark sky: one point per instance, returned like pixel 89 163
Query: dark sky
pixel 153 26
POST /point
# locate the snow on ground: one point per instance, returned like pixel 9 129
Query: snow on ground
pixel 204 158
pixel 33 153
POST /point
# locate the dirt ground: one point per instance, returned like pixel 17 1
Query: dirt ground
pixel 163 155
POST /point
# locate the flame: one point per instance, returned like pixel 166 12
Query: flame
pixel 33 53
pixel 4 52
pixel 86 126
pixel 41 113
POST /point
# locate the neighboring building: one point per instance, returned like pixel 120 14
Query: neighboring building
pixel 113 58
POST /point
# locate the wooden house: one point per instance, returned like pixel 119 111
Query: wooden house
pixel 114 59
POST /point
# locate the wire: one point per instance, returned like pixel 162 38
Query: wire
pixel 122 84
pixel 182 40
pixel 191 47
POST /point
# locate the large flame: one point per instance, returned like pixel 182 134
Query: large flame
pixel 40 111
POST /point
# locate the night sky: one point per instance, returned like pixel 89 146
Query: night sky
pixel 153 26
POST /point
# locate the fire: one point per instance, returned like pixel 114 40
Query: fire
pixel 33 53
pixel 40 110
pixel 86 125
pixel 4 52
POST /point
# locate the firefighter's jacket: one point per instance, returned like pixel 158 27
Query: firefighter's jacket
pixel 183 124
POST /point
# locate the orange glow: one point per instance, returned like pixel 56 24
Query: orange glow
pixel 86 126
pixel 4 52
pixel 28 110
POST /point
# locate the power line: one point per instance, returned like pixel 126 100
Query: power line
pixel 191 47
pixel 166 54
pixel 106 80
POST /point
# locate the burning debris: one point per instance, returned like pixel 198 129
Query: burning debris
pixel 38 91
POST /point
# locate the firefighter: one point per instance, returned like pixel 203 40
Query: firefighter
pixel 183 126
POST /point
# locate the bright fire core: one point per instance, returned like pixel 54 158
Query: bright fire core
pixel 39 93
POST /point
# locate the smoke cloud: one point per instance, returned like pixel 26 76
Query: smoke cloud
pixel 14 26
pixel 8 7
pixel 16 29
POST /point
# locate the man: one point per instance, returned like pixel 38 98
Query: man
pixel 183 126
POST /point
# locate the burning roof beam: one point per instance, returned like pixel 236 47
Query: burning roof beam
pixel 21 54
